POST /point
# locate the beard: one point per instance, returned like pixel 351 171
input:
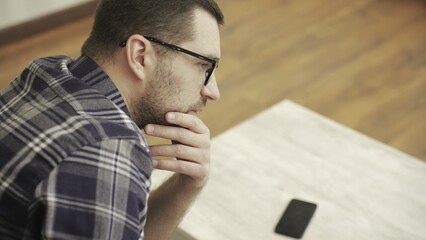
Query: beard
pixel 162 95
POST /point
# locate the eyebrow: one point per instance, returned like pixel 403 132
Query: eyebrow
pixel 213 57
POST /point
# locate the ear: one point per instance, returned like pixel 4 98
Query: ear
pixel 138 55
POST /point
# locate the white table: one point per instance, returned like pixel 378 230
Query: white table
pixel 363 188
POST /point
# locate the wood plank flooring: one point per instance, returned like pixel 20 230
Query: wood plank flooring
pixel 361 63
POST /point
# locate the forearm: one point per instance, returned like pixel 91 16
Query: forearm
pixel 166 207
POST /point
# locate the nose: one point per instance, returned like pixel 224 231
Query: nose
pixel 211 91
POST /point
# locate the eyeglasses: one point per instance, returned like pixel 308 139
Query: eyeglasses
pixel 209 71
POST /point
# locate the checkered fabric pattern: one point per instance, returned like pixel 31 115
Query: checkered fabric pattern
pixel 73 165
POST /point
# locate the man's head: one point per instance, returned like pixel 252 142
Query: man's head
pixel 153 78
pixel 168 20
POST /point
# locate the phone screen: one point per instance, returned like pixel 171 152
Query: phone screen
pixel 295 218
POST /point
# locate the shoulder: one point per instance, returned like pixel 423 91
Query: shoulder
pixel 123 157
pixel 77 131
pixel 49 67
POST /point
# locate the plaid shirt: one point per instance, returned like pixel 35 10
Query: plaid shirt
pixel 73 165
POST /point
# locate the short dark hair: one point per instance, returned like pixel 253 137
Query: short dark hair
pixel 168 20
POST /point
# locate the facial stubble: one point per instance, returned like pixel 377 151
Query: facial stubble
pixel 160 97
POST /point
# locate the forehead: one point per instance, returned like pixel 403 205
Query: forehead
pixel 206 35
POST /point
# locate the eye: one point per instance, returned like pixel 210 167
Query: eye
pixel 205 65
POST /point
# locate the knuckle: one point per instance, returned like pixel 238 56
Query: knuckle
pixel 180 150
pixel 196 122
pixel 182 134
pixel 182 167
pixel 157 130
pixel 162 131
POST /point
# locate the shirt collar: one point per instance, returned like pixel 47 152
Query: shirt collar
pixel 90 72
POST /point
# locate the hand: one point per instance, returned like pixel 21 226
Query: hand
pixel 190 146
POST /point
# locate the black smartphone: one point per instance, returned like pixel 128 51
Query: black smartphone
pixel 295 218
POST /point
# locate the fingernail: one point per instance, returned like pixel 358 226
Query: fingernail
pixel 171 116
pixel 149 129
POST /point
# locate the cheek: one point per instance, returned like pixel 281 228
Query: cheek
pixel 184 84
pixel 190 74
pixel 188 85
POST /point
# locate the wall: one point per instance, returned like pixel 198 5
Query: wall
pixel 13 12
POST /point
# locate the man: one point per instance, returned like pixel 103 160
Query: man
pixel 74 163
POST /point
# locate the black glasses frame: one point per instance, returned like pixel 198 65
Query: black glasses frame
pixel 209 71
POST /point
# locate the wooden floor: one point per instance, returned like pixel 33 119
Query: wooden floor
pixel 361 63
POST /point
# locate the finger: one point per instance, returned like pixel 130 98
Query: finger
pixel 188 121
pixel 193 170
pixel 179 151
pixel 178 134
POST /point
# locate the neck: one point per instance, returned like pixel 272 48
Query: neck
pixel 116 71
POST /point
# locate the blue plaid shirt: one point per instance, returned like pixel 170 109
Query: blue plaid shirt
pixel 73 165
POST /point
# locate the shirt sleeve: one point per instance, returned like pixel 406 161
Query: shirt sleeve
pixel 98 192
